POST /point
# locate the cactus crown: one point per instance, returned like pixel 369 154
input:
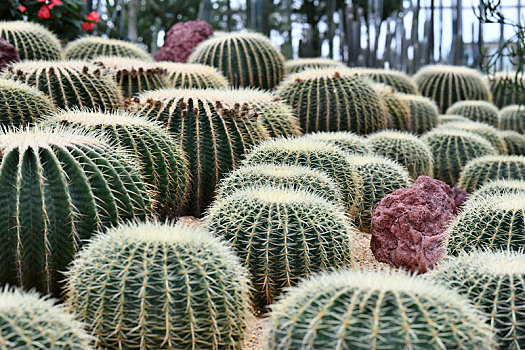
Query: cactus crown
pixel 196 76
pixel 301 64
pixel 127 65
pixel 447 118
pixel 347 141
pixel 91 46
pixel 398 80
pixel 31 40
pixel 95 118
pixel 499 187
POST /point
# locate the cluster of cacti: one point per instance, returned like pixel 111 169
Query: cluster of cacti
pixel 212 128
pixel 504 90
pixel 21 104
pixel 334 99
pixel 447 118
pixel 163 163
pixel 68 83
pixel 298 65
pixel 512 118
pixel 90 47
pixel 59 186
pixel 28 321
pixel 424 115
pixel 31 40
pixel 478 111
pixel 347 141
pixel 160 287
pixel 193 76
pixel 490 222
pixel 245 59
pixel 282 236
pixel 453 149
pixel 498 187
pixel 481 170
pixel 405 148
pixel 486 131
pixel 396 79
pixel 398 110
pixel 514 141
pixel 448 84
pixel 375 310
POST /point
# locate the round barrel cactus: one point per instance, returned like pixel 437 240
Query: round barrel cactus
pixel 31 40
pixel 210 125
pixel 334 99
pixel 498 187
pixel 171 286
pixel 298 65
pixel 193 76
pixel 453 149
pixel 28 321
pixel 59 186
pixel 514 141
pixel 163 163
pixel 68 83
pixel 503 88
pixel 447 118
pixel 398 110
pixel 512 118
pixel 481 170
pixel 375 310
pixel 282 236
pixel 424 115
pixel 490 222
pixel 478 111
pixel 396 79
pixel 405 148
pixel 347 141
pixel 448 84
pixel 245 59
pixel 89 47
pixel 21 104
pixel 486 131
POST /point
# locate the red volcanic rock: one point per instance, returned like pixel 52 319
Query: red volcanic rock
pixel 8 54
pixel 408 225
pixel 181 39
pixel 459 196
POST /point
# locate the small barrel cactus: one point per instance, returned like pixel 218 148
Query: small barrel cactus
pixel 405 148
pixel 68 83
pixel 447 118
pixel 514 141
pixel 298 65
pixel 334 99
pixel 504 89
pixel 58 187
pixel 492 222
pixel 28 321
pixel 498 187
pixel 396 79
pixel 32 40
pixel 163 163
pixel 398 109
pixel 448 84
pixel 193 76
pixel 245 59
pixel 375 310
pixel 486 131
pixel 21 104
pixel 90 47
pixel 478 111
pixel 481 170
pixel 347 141
pixel 512 118
pixel 424 115
pixel 171 286
pixel 282 236
pixel 453 149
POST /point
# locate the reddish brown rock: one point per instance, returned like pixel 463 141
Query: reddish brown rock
pixel 181 39
pixel 459 196
pixel 408 225
pixel 8 54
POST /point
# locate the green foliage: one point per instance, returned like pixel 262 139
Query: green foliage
pixel 298 65
pixel 486 131
pixel 446 118
pixel 365 310
pixel 399 81
pixel 424 113
pixel 171 286
pixel 507 88
pixel 282 236
pixel 31 40
pixel 347 141
pixel 498 187
pixel 398 109
pixel 479 111
pixel 512 118
pixel 90 47
pixel 58 187
pixel 193 76
pixel 514 141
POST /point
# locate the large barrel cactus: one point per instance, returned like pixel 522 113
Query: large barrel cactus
pixel 90 47
pixel 396 79
pixel 375 310
pixel 245 59
pixel 424 115
pixel 512 118
pixel 31 40
pixel 58 187
pixel 193 76
pixel 347 141
pixel 282 236
pixel 298 65
pixel 334 99
pixel 514 141
pixel 505 92
pixel 170 286
pixel 486 131
pixel 214 130
pixel 478 111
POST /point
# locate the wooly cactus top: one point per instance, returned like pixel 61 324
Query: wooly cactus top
pixel 300 64
pixel 91 46
pixel 498 187
pixel 31 40
pixel 195 76
pixel 396 79
pixel 446 118
pixel 347 141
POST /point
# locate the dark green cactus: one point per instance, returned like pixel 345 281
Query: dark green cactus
pixel 398 109
pixel 393 78
pixel 486 131
pixel 31 40
pixel 478 111
pixel 90 47
pixel 504 91
pixel 446 118
pixel 512 118
pixel 347 141
pixel 298 65
pixel 514 141
pixel 424 114
pixel 193 76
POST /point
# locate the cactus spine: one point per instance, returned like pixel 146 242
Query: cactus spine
pixel 298 65
pixel 512 118
pixel 31 40
pixel 193 76
pixel 478 111
pixel 399 81
pixel 347 141
pixel 486 131
pixel 514 141
pixel 423 113
pixel 90 47
pixel 504 90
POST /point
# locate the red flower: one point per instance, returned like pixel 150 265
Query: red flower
pixel 52 3
pixel 43 13
pixel 93 16
pixel 22 8
pixel 88 26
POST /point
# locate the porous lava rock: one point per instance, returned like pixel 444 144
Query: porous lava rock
pixel 181 39
pixel 408 225
pixel 460 197
pixel 8 54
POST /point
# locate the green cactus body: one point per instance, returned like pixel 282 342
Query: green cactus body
pixel 59 186
pixel 171 286
pixel 490 222
pixel 453 149
pixel 163 163
pixel 486 131
pixel 449 84
pixel 28 321
pixel 481 170
pixel 193 76
pixel 347 141
pixel 398 110
pixel 316 155
pixel 68 83
pixel 504 91
pixel 282 236
pixel 478 111
pixel 447 118
pixel 245 59
pixel 301 64
pixel 21 104
pixel 375 310
pixel 424 114
pixel 393 78
pixel 334 99
pixel 514 141
pixel 495 283
pixel 498 187
pixel 90 47
pixel 213 129
pixel 31 40
pixel 405 148
pixel 512 118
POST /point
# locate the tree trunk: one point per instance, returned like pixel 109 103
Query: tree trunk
pixel 229 19
pixel 330 11
pixel 133 9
